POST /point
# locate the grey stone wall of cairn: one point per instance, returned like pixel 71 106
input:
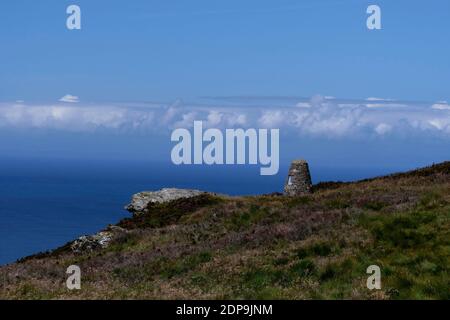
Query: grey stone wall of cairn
pixel 298 181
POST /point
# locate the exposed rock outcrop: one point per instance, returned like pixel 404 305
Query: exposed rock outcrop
pixel 97 241
pixel 141 201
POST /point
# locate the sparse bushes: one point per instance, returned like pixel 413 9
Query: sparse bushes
pixel 124 241
pixel 431 200
pixel 160 215
pixel 298 201
pixel 242 220
pixel 322 249
pixel 304 268
pixel 181 266
pixel 161 268
pixel 339 270
pixel 338 203
pixel 374 205
pixel 402 230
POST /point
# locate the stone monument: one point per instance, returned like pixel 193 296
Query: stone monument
pixel 299 179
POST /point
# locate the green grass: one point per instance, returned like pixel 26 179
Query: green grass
pixel 268 247
pixel 322 249
pixel 414 249
pixel 246 217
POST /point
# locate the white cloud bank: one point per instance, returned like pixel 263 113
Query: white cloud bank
pixel 442 105
pixel 69 99
pixel 318 116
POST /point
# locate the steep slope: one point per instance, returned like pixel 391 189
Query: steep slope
pixel 312 247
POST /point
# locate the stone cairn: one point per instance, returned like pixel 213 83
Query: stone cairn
pixel 299 179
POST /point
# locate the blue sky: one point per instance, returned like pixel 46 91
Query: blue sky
pixel 137 62
pixel 145 50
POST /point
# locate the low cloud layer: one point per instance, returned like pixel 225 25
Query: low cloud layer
pixel 69 99
pixel 318 116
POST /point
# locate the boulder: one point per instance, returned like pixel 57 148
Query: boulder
pixel 142 200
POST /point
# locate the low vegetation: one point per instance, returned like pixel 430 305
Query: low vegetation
pixel 267 247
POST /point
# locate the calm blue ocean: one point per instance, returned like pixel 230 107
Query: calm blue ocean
pixel 44 204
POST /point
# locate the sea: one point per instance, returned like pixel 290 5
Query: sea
pixel 47 203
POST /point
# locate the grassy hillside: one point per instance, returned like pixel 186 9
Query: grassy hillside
pixel 270 247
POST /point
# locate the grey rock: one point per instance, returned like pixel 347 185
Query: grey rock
pixel 101 240
pixel 140 201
